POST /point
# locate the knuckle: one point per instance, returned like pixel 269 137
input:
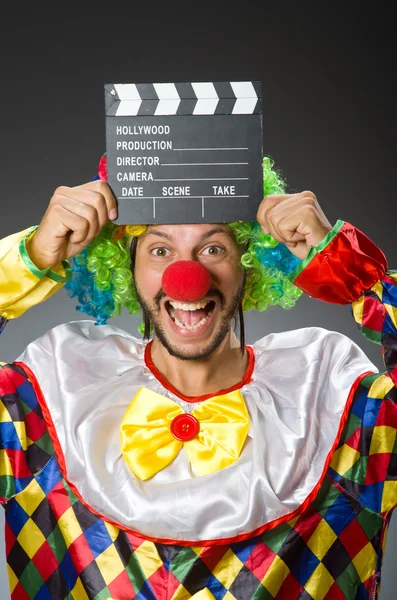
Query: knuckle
pixel 100 186
pixel 61 190
pixel 267 202
pixel 309 195
pixel 311 210
pixel 98 200
pixel 263 206
pixel 272 214
pixel 87 210
pixel 56 208
pixel 92 211
pixel 84 227
pixel 91 234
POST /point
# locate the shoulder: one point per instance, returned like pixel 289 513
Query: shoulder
pixel 82 341
pixel 301 338
pixel 316 347
pixel 87 330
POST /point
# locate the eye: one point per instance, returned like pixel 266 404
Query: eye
pixel 160 251
pixel 213 251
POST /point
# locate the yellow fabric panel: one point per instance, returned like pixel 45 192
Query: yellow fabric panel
pixel 319 583
pixel 79 593
pixel 365 562
pixel 228 568
pixel 31 497
pixel 20 289
pixel 110 564
pixel 149 558
pixel 383 440
pixel 12 579
pixel 321 540
pixel 275 575
pixel 344 458
pixel 389 497
pixel 381 386
pixel 31 538
pixel 5 465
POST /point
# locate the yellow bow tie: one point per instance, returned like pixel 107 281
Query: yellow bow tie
pixel 155 428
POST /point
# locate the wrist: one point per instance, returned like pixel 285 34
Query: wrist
pixel 36 256
pixel 60 272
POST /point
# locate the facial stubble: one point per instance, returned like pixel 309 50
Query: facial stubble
pixel 227 313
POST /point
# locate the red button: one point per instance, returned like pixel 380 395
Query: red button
pixel 185 427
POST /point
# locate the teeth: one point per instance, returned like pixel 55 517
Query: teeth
pixel 190 327
pixel 188 306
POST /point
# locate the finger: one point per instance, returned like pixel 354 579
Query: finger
pixel 68 221
pixel 304 202
pixel 293 227
pixel 80 209
pixel 94 199
pixel 266 205
pixel 101 187
pixel 305 225
pixel 89 197
pixel 278 212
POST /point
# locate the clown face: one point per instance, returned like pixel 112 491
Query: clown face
pixel 190 329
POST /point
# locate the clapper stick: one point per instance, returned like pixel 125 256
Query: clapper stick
pixel 185 152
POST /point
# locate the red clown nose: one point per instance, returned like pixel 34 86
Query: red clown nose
pixel 186 281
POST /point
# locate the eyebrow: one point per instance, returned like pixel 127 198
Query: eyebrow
pixel 205 235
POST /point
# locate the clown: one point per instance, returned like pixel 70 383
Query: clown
pixel 189 464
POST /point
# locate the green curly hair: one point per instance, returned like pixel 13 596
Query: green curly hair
pixel 103 281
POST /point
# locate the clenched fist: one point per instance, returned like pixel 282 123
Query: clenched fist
pixel 296 220
pixel 74 217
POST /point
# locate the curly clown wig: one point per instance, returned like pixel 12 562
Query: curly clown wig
pixel 103 280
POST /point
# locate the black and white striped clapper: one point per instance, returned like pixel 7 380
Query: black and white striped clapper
pixel 185 152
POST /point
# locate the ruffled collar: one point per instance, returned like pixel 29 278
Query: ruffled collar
pixel 296 397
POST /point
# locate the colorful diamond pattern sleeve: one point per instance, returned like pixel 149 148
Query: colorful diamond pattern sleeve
pixel 347 267
pixel 376 315
pixel 365 462
pixel 22 284
pixel 25 445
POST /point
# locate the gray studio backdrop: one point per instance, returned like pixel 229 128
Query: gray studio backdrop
pixel 329 122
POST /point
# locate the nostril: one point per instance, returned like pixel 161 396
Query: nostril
pixel 186 280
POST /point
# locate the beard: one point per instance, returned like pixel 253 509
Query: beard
pixel 227 314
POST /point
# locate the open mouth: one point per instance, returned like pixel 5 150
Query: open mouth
pixel 190 315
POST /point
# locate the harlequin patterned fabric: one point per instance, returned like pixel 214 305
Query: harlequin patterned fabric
pixel 57 548
pixel 332 550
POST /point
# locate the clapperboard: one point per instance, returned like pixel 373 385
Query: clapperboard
pixel 185 152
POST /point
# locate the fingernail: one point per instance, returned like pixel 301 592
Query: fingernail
pixel 113 214
pixel 264 230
